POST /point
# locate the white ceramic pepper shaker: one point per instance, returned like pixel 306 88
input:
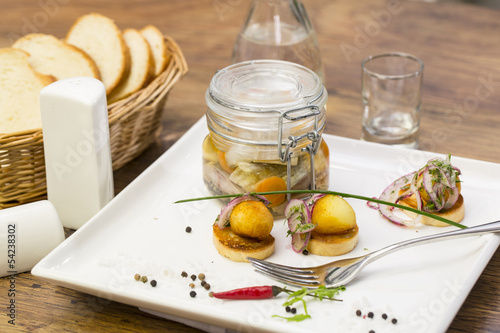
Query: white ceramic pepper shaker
pixel 77 148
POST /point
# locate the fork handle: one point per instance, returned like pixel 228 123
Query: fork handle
pixel 476 230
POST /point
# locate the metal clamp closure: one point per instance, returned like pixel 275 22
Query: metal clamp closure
pixel 285 153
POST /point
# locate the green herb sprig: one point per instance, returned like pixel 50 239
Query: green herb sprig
pixel 320 293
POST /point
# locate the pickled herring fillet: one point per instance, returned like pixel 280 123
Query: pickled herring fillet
pixel 216 179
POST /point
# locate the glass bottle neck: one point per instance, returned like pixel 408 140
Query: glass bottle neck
pixel 281 30
pixel 277 22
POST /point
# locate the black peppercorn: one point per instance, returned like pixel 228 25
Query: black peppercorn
pixel 203 283
pixel 184 274
pixel 287 309
pixel 371 331
pixel 153 283
pixel 358 313
pixel 370 314
pixel 193 277
pixel 188 229
pixel 305 252
pixel 192 294
pixel 394 321
pixel 293 310
pixel 384 316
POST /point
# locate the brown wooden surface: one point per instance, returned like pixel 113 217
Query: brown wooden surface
pixel 458 43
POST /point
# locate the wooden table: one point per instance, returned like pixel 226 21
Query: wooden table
pixel 461 111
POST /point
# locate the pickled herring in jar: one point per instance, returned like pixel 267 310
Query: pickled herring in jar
pixel 265 119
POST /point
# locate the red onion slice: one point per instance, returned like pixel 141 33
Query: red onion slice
pixel 311 202
pixel 414 190
pixel 293 221
pixel 372 205
pixel 315 197
pixel 452 199
pixel 437 182
pixel 297 225
pixel 293 206
pixel 454 191
pixel 299 219
pixel 225 213
pixel 428 181
pixel 300 241
pixel 391 194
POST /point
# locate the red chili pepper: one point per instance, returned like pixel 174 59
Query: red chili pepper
pixel 259 292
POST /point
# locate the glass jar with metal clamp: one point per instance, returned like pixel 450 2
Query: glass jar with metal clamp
pixel 265 120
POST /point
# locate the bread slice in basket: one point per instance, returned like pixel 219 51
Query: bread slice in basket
pixel 20 87
pixel 141 70
pixel 52 56
pixel 101 39
pixel 158 46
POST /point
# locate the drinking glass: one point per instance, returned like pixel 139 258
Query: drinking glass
pixel 392 95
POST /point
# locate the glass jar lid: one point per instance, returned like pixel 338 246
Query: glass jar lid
pixel 248 102
pixel 263 85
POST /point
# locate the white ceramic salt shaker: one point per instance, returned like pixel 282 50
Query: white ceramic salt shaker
pixel 27 234
pixel 77 148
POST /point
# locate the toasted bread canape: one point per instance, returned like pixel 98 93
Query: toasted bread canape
pixel 243 229
pixel 336 230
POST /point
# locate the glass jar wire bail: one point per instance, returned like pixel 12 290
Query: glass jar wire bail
pixel 314 136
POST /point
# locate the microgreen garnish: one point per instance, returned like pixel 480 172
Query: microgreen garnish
pixel 303 228
pixel 320 293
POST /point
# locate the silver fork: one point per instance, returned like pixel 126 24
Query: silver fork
pixel 341 272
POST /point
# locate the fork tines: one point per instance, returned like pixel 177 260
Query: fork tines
pixel 286 274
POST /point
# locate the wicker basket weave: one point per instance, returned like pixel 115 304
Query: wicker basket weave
pixel 134 123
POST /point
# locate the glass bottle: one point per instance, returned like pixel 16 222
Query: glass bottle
pixel 265 120
pixel 281 30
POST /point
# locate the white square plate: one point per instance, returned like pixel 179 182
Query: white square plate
pixel 142 231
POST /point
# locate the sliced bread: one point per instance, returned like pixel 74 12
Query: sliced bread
pixel 20 88
pixel 51 56
pixel 158 46
pixel 141 66
pixel 101 39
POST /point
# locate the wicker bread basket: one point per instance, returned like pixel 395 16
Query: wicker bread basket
pixel 134 123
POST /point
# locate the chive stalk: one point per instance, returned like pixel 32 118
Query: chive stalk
pixel 341 194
